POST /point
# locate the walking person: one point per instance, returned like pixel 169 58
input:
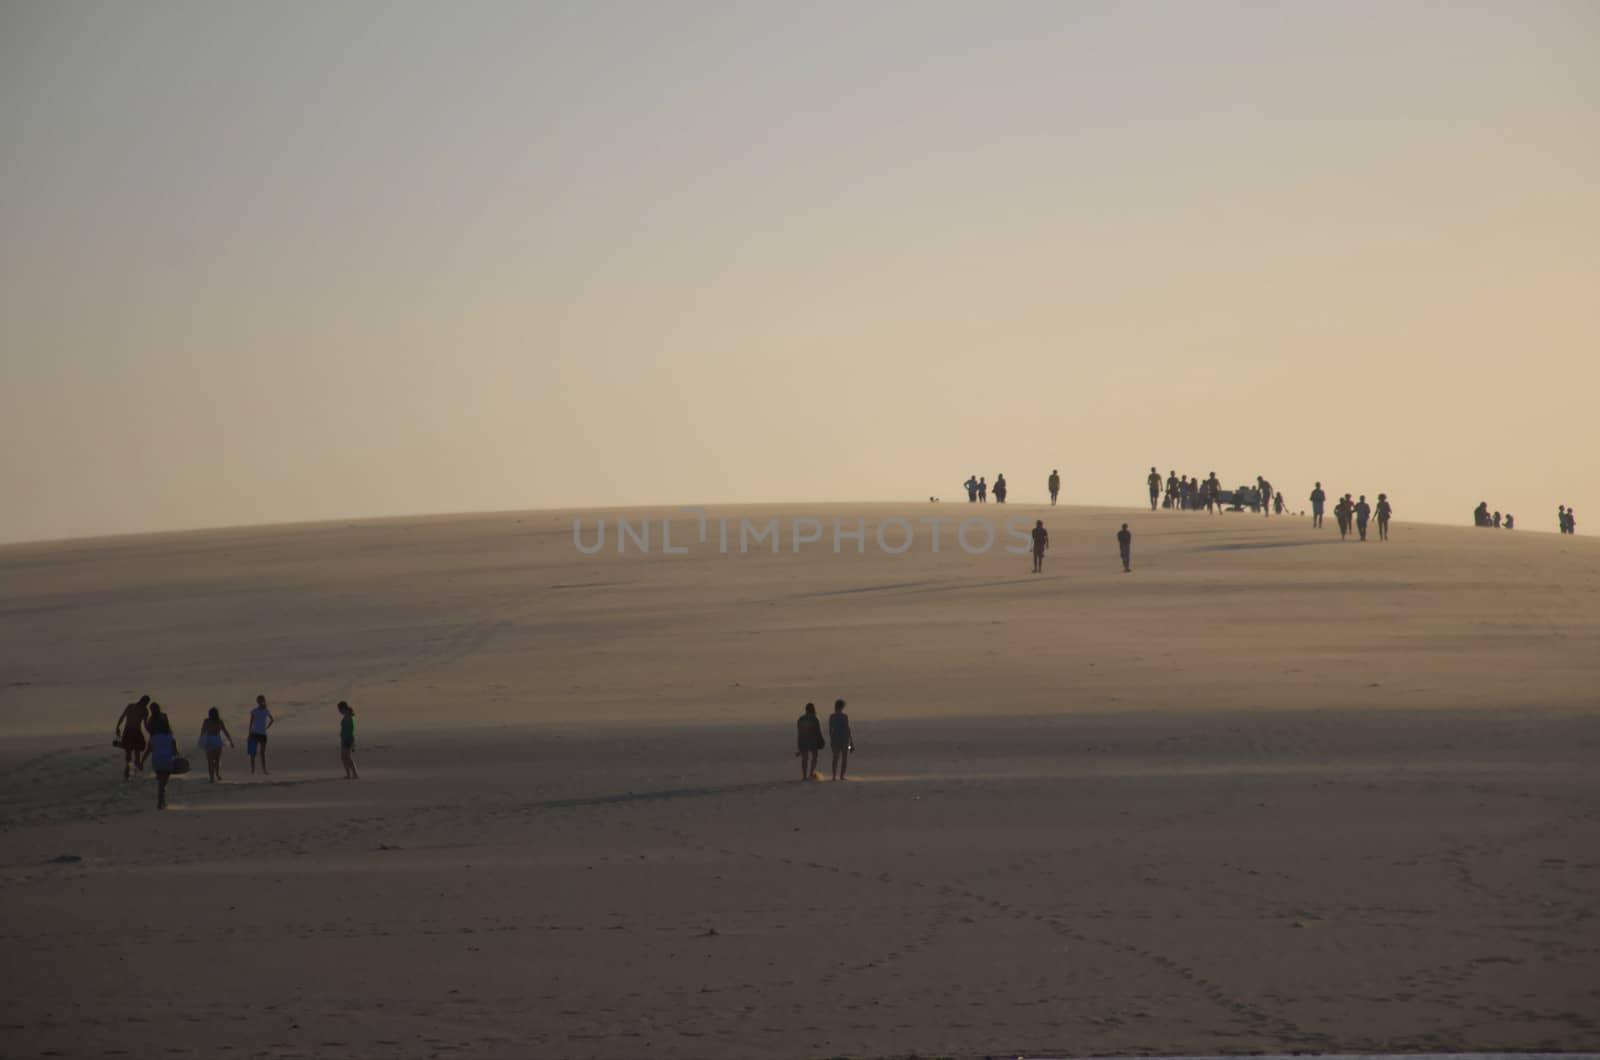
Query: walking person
pixel 1125 546
pixel 839 736
pixel 212 732
pixel 129 735
pixel 1318 497
pixel 1363 513
pixel 1041 541
pixel 1172 490
pixel 1341 515
pixel 260 721
pixel 1055 487
pixel 1154 481
pixel 163 752
pixel 1384 510
pixel 1000 488
pixel 809 732
pixel 347 740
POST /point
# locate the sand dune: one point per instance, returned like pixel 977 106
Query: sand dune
pixel 1269 792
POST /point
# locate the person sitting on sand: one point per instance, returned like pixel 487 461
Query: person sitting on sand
pixel 809 728
pixel 1125 546
pixel 1480 514
pixel 1041 541
pixel 839 734
pixel 347 740
pixel 163 752
pixel 1384 510
pixel 260 721
pixel 212 731
pixel 129 735
pixel 1511 521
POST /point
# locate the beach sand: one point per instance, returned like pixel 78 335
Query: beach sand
pixel 1269 792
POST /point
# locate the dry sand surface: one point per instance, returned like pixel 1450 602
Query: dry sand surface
pixel 1269 792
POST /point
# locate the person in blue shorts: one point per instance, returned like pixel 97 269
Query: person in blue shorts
pixel 260 721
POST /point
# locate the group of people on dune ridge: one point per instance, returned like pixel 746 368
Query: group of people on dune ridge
pixel 144 734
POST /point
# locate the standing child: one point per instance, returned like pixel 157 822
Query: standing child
pixel 839 733
pixel 347 740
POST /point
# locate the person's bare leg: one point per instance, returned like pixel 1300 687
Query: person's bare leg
pixel 127 763
pixel 844 762
pixel 263 759
pixel 161 790
pixel 252 764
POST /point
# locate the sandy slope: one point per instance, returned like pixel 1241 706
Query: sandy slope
pixel 1270 791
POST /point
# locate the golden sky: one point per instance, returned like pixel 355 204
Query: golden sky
pixel 277 262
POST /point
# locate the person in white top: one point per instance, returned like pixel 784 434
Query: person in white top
pixel 260 722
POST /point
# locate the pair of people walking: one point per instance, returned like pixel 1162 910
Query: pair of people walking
pixel 809 730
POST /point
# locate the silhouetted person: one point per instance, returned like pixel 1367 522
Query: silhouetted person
pixel 163 752
pixel 1214 493
pixel 1511 521
pixel 1342 514
pixel 1055 486
pixel 1363 512
pixel 1172 490
pixel 1496 523
pixel 972 489
pixel 1572 521
pixel 1041 541
pixel 212 732
pixel 1125 546
pixel 809 728
pixel 1318 498
pixel 1154 480
pixel 1266 494
pixel 347 740
pixel 1561 517
pixel 1480 514
pixel 839 735
pixel 256 741
pixel 1384 510
pixel 983 491
pixel 1277 504
pixel 129 735
pixel 1000 488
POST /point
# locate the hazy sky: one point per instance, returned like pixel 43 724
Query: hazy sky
pixel 278 261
